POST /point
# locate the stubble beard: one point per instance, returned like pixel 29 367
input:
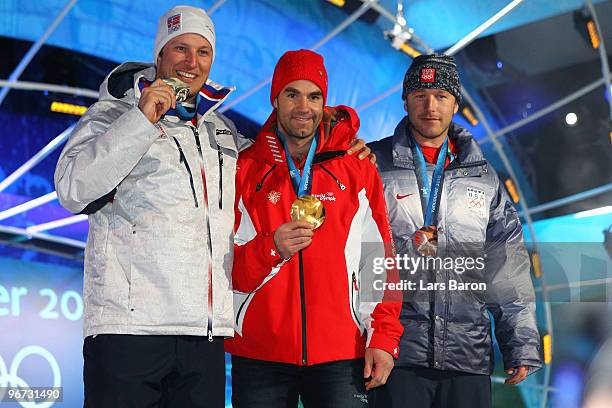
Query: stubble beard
pixel 428 136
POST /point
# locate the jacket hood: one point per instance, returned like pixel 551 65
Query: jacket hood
pixel 466 147
pixel 121 81
pixel 338 128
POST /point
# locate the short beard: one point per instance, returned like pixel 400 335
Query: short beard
pixel 303 135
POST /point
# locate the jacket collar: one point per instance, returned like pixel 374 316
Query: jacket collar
pixel 338 127
pixel 466 147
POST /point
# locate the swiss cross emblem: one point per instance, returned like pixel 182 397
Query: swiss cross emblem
pixel 476 200
pixel 428 75
pixel 174 23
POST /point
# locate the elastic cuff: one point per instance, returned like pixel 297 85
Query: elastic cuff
pixel 384 343
pixel 271 253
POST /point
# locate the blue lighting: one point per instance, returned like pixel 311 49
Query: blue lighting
pixel 500 65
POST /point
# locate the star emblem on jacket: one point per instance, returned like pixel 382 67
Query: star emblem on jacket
pixel 272 252
pixel 274 196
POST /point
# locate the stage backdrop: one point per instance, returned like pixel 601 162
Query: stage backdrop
pixel 41 342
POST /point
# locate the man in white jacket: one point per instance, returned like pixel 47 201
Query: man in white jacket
pixel 157 180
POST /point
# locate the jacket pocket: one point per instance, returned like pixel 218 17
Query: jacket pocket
pixel 241 304
pixel 168 285
pixel 354 299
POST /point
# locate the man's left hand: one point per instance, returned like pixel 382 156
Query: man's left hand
pixel 378 365
pixel 518 374
pixel 359 145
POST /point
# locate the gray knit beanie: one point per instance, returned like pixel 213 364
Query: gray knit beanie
pixel 433 71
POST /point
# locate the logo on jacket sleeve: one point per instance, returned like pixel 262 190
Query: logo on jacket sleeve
pixel 476 200
pixel 222 132
pixel 174 23
pixel 274 196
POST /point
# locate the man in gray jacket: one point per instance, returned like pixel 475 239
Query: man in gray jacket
pixel 452 219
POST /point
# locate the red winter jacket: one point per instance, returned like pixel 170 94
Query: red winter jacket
pixel 309 309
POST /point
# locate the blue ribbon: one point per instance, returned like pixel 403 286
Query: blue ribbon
pixel 182 112
pixel 430 196
pixel 302 183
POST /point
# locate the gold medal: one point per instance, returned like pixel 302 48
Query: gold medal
pixel 308 208
pixel 180 89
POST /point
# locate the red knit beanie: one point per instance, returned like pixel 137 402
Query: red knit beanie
pixel 296 65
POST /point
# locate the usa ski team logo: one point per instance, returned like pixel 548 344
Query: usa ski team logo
pixel 428 75
pixel 476 200
pixel 174 23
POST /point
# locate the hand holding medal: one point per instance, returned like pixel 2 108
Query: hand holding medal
pixel 307 211
pixel 425 241
pixel 180 89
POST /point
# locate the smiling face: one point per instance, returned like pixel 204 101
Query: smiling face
pixel 299 109
pixel 430 112
pixel 187 57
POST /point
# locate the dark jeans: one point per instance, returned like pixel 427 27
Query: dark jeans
pixel 429 388
pixel 153 371
pixel 265 384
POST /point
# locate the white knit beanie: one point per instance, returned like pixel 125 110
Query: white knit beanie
pixel 182 20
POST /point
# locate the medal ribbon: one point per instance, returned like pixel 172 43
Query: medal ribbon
pixel 430 196
pixel 302 184
pixel 182 112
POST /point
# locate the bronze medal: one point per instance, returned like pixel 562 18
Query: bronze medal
pixel 308 208
pixel 180 89
pixel 425 240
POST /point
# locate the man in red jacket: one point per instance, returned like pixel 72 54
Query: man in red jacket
pixel 305 312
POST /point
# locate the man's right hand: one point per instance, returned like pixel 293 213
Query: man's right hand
pixel 292 237
pixel 156 100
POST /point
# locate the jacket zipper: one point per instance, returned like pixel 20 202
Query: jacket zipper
pixel 465 166
pixel 354 289
pixel 220 156
pixel 209 329
pixel 303 309
pixel 183 159
pixel 260 184
pixel 342 186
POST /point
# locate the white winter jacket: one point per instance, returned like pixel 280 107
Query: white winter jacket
pixel 159 249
